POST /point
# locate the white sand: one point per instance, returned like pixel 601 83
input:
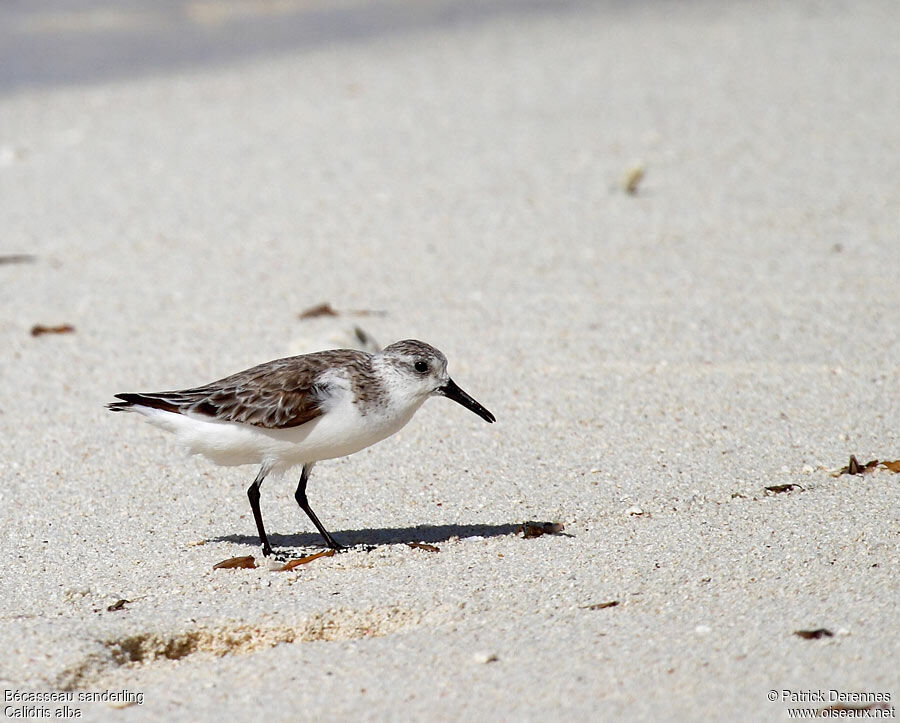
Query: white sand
pixel 189 179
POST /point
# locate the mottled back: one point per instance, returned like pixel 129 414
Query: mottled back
pixel 278 394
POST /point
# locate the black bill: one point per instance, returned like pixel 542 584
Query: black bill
pixel 451 391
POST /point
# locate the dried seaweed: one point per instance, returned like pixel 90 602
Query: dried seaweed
pixel 326 309
pixel 854 467
pixel 814 634
pixel 233 563
pixel 305 560
pixel 600 606
pixel 41 329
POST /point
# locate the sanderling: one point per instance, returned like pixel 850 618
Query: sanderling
pixel 302 409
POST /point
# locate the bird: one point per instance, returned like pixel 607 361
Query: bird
pixel 300 410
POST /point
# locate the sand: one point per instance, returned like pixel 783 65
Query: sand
pixel 189 177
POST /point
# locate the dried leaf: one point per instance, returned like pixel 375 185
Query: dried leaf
pixel 118 605
pixel 304 560
pixel 778 489
pixel 536 529
pixel 39 329
pixel 323 309
pixel 16 259
pixel 859 469
pixel 326 309
pixel 814 634
pixel 855 468
pixel 600 606
pixel 233 563
pixel 423 546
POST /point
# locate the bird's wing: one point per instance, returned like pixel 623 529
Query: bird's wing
pixel 275 395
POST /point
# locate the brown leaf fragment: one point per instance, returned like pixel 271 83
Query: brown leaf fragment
pixel 778 489
pixel 40 329
pixel 232 563
pixel 536 529
pixel 856 468
pixel 423 546
pixel 814 634
pixel 600 606
pixel 323 309
pixel 118 605
pixel 17 259
pixel 860 469
pixel 304 560
pixel 326 309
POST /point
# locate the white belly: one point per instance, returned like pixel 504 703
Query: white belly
pixel 337 433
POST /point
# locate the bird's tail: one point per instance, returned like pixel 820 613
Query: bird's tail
pixel 129 401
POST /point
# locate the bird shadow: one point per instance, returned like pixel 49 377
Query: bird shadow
pixel 378 536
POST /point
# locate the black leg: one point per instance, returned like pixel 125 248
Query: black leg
pixel 300 496
pixel 253 494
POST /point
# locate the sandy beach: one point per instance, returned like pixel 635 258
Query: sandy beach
pixel 660 241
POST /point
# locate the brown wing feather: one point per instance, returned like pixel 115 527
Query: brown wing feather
pixel 269 407
pixel 275 395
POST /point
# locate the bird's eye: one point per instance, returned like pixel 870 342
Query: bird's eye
pixel 420 367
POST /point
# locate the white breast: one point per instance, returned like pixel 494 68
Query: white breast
pixel 340 431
